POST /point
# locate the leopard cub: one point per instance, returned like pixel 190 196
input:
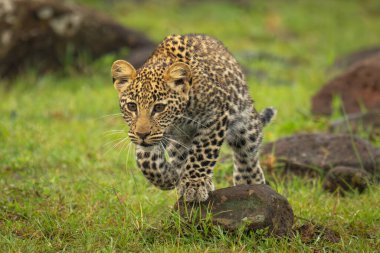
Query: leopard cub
pixel 188 98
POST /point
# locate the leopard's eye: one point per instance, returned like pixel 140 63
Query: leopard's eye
pixel 132 107
pixel 159 108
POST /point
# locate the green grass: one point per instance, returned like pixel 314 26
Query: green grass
pixel 65 188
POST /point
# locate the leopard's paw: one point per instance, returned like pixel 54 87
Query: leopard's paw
pixel 195 190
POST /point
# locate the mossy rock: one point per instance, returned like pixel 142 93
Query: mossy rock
pixel 253 207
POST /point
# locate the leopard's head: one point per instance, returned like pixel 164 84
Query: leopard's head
pixel 152 98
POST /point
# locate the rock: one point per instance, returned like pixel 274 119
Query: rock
pixel 253 206
pixel 315 154
pixel 358 87
pixel 47 34
pixel 343 178
pixel 355 123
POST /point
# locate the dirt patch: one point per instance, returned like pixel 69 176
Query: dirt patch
pixel 252 206
pixel 309 233
pixel 358 88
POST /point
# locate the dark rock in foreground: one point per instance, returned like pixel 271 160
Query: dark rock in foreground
pixel 315 154
pixel 357 87
pixel 252 206
pixel 343 178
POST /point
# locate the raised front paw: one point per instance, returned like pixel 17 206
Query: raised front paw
pixel 195 190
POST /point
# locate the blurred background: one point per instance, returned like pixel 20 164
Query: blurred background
pixel 62 139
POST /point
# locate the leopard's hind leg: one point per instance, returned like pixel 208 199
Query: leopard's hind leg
pixel 244 136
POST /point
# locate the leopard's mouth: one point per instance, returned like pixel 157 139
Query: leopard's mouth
pixel 144 144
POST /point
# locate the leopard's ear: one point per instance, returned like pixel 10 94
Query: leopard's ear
pixel 178 77
pixel 122 74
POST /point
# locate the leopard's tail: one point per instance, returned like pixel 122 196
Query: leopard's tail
pixel 267 115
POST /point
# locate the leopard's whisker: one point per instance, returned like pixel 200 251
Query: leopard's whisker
pixel 108 148
pixel 177 150
pixel 112 142
pixel 117 144
pixel 123 145
pixel 129 149
pixel 179 129
pixel 175 141
pixel 193 120
pixel 120 142
pixel 166 151
pixel 162 145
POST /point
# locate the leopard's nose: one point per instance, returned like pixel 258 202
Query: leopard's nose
pixel 143 135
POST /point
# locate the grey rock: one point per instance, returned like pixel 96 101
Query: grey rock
pixel 253 206
pixel 315 154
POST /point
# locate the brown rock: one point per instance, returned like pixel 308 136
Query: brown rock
pixel 252 206
pixel 47 34
pixel 343 178
pixel 315 154
pixel 357 87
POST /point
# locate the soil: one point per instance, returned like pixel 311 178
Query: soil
pixel 310 232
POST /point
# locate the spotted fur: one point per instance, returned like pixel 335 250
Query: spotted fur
pixel 188 98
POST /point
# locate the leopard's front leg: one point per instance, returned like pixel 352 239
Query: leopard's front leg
pixel 152 162
pixel 196 178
